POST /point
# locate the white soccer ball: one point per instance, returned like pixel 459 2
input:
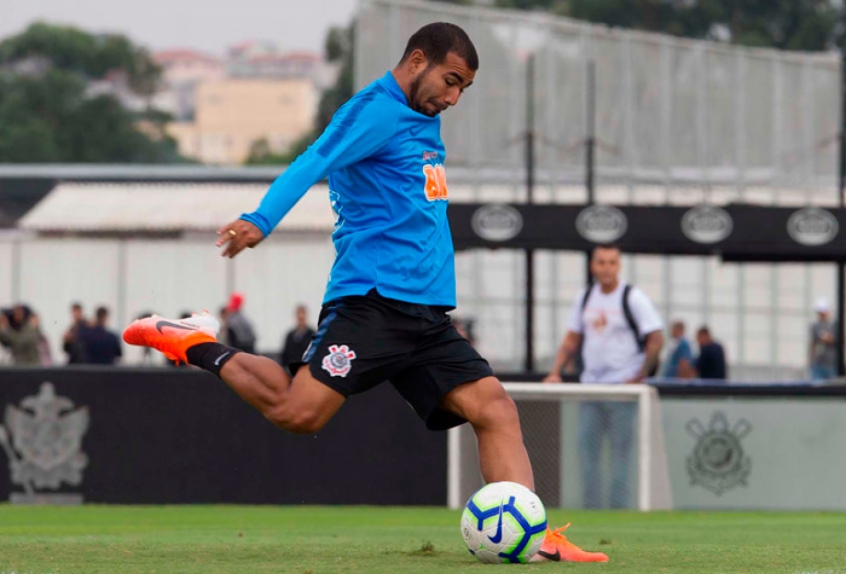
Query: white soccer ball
pixel 503 522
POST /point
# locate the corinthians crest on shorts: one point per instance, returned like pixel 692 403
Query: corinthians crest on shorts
pixel 339 360
pixel 45 446
pixel 718 462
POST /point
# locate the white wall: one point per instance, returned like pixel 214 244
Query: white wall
pixel 165 276
pixel 761 312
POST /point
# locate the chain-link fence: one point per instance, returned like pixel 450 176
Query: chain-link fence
pixel 668 110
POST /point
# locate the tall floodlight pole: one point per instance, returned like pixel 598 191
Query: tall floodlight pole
pixel 530 185
pixel 841 264
pixel 590 144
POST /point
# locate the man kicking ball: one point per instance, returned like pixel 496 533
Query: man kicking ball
pixel 384 316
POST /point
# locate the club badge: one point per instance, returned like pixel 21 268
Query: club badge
pixel 339 360
pixel 718 462
pixel 43 440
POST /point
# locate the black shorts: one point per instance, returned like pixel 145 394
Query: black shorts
pixel 362 341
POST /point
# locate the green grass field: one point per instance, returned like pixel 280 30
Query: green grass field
pixel 216 539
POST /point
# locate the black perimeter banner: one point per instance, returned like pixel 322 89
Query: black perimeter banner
pixel 735 232
pixel 162 436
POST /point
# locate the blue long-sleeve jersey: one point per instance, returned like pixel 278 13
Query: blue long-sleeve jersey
pixel 387 187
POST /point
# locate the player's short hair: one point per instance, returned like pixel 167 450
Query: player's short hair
pixel 599 246
pixel 102 313
pixel 438 39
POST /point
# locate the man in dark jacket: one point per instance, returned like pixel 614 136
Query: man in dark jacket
pixel 72 340
pixel 711 363
pixel 297 339
pixel 102 346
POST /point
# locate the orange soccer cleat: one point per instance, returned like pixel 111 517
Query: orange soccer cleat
pixel 557 548
pixel 170 336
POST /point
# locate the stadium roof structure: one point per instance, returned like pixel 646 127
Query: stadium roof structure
pixel 164 208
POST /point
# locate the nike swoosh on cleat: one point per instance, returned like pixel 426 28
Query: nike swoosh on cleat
pixel 497 538
pixel 161 324
pixel 554 557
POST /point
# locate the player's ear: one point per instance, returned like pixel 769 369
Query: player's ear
pixel 417 61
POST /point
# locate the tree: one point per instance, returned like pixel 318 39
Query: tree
pixel 90 56
pixel 786 24
pixel 47 114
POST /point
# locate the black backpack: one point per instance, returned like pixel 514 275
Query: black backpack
pixel 627 313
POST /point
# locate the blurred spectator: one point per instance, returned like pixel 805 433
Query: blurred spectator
pixel 619 334
pixel 298 339
pixel 711 363
pixel 223 335
pixel 464 326
pixel 20 333
pixel 45 356
pixel 823 353
pixel 680 359
pixel 102 346
pixel 71 342
pixel 239 330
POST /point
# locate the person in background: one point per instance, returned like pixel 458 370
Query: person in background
pixel 102 346
pixel 619 334
pixel 45 355
pixel 679 363
pixel 20 333
pixel 71 343
pixel 297 340
pixel 223 336
pixel 239 329
pixel 711 363
pixel 822 356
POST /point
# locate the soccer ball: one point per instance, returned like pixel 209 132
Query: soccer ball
pixel 503 522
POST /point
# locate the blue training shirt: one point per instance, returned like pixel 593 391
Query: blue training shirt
pixel 387 186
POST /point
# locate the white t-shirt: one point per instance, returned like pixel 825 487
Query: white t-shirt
pixel 609 349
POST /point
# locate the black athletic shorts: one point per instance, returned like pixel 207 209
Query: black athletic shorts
pixel 362 341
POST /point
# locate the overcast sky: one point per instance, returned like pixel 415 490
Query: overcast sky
pixel 209 25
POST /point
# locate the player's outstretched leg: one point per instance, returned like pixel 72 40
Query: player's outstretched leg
pixel 303 407
pixel 502 454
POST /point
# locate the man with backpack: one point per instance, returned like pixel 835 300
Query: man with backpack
pixel 617 331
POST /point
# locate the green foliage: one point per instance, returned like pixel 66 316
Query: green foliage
pixel 91 56
pixel 788 24
pixel 47 115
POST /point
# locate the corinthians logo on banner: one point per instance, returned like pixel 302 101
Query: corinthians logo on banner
pixel 497 222
pixel 43 441
pixel 812 226
pixel 706 224
pixel 601 224
pixel 718 462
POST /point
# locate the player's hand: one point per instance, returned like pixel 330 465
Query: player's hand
pixel 236 236
pixel 552 378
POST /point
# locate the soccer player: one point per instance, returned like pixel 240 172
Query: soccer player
pixel 385 310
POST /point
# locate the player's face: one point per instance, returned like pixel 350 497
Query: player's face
pixel 439 86
pixel 605 266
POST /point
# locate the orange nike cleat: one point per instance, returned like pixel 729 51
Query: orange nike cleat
pixel 172 337
pixel 556 548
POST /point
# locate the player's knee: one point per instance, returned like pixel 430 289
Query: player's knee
pixel 499 411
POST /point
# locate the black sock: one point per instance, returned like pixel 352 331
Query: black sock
pixel 210 356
